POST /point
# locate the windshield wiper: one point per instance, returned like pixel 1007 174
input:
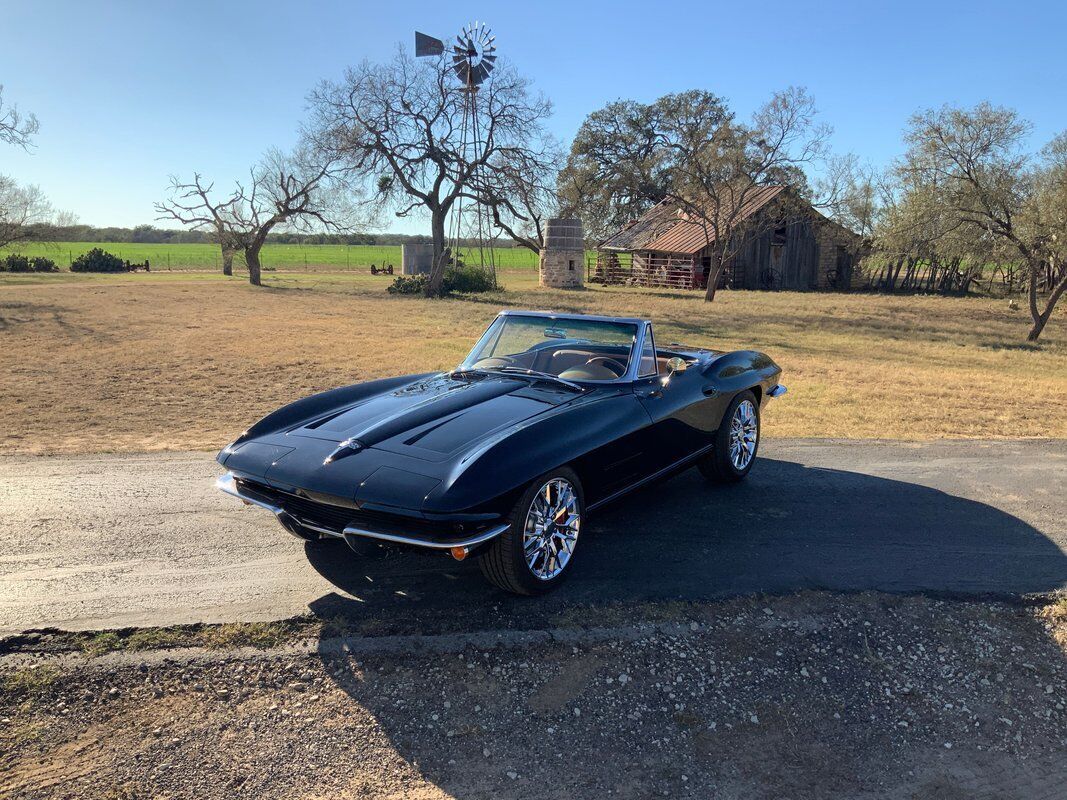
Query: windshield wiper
pixel 462 371
pixel 533 373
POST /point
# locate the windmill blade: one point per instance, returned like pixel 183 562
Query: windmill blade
pixel 426 45
pixel 474 53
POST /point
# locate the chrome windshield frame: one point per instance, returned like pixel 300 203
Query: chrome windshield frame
pixel 633 362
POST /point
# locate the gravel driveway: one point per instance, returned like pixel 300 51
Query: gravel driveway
pixel 813 696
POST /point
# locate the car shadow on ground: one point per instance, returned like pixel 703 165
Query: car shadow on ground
pixel 482 723
pixel 788 527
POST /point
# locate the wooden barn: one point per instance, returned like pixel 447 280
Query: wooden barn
pixel 783 243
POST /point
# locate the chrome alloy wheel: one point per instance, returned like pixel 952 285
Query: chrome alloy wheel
pixel 744 435
pixel 551 530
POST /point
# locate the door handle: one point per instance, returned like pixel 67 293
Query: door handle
pixel 709 391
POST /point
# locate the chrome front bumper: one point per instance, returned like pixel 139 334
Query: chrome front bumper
pixel 228 484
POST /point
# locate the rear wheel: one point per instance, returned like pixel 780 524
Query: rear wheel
pixel 736 442
pixel 534 554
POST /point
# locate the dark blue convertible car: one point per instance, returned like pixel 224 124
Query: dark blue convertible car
pixel 549 417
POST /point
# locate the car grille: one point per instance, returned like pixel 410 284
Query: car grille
pixel 337 518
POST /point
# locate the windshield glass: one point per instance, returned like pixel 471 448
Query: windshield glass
pixel 572 349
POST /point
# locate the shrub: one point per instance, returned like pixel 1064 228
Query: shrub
pixel 409 284
pixel 42 264
pixel 16 263
pixel 468 279
pixel 97 260
pixel 458 279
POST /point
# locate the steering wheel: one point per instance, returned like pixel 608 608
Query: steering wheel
pixel 495 361
pixel 615 366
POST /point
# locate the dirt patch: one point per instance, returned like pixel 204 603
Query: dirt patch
pixel 814 696
pixel 156 362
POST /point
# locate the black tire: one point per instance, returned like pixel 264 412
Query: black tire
pixel 718 466
pixel 504 563
pixel 325 543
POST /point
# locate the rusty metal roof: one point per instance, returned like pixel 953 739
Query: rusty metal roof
pixel 636 234
pixel 689 235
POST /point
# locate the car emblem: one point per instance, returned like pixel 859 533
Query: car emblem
pixel 346 448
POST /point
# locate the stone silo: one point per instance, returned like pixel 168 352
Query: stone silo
pixel 562 262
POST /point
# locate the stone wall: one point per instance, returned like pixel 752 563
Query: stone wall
pixel 834 240
pixel 562 269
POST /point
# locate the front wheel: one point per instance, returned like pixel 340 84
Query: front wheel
pixel 534 554
pixel 736 442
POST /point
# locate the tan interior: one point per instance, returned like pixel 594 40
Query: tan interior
pixel 573 363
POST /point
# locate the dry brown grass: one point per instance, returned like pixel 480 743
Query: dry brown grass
pixel 153 362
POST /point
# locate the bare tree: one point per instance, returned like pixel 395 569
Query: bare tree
pixel 281 191
pixel 520 193
pixel 21 207
pixel 853 194
pixel 974 165
pixel 15 128
pixel 719 168
pixel 400 129
pixel 191 204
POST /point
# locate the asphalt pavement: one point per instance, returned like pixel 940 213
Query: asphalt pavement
pixel 108 541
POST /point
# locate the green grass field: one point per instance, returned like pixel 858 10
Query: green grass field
pixel 278 256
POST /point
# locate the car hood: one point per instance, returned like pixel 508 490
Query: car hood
pixel 433 418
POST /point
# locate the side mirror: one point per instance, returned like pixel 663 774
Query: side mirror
pixel 676 364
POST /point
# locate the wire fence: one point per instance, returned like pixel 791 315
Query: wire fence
pixel 648 270
pixel 272 257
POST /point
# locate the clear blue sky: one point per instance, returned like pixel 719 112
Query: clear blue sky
pixel 129 93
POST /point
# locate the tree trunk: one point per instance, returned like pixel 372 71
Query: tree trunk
pixel 1040 318
pixel 252 260
pixel 227 261
pixel 440 260
pixel 718 262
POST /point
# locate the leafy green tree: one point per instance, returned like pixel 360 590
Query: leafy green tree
pixel 689 149
pixel 983 183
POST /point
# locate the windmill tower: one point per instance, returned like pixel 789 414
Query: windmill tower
pixel 473 59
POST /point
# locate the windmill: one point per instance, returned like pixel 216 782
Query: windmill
pixel 473 59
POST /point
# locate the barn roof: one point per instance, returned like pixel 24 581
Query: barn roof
pixel 690 236
pixel 637 233
pixel 666 229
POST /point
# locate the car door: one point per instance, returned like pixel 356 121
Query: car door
pixel 682 416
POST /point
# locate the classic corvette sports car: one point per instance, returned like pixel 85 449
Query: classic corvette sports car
pixel 550 417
